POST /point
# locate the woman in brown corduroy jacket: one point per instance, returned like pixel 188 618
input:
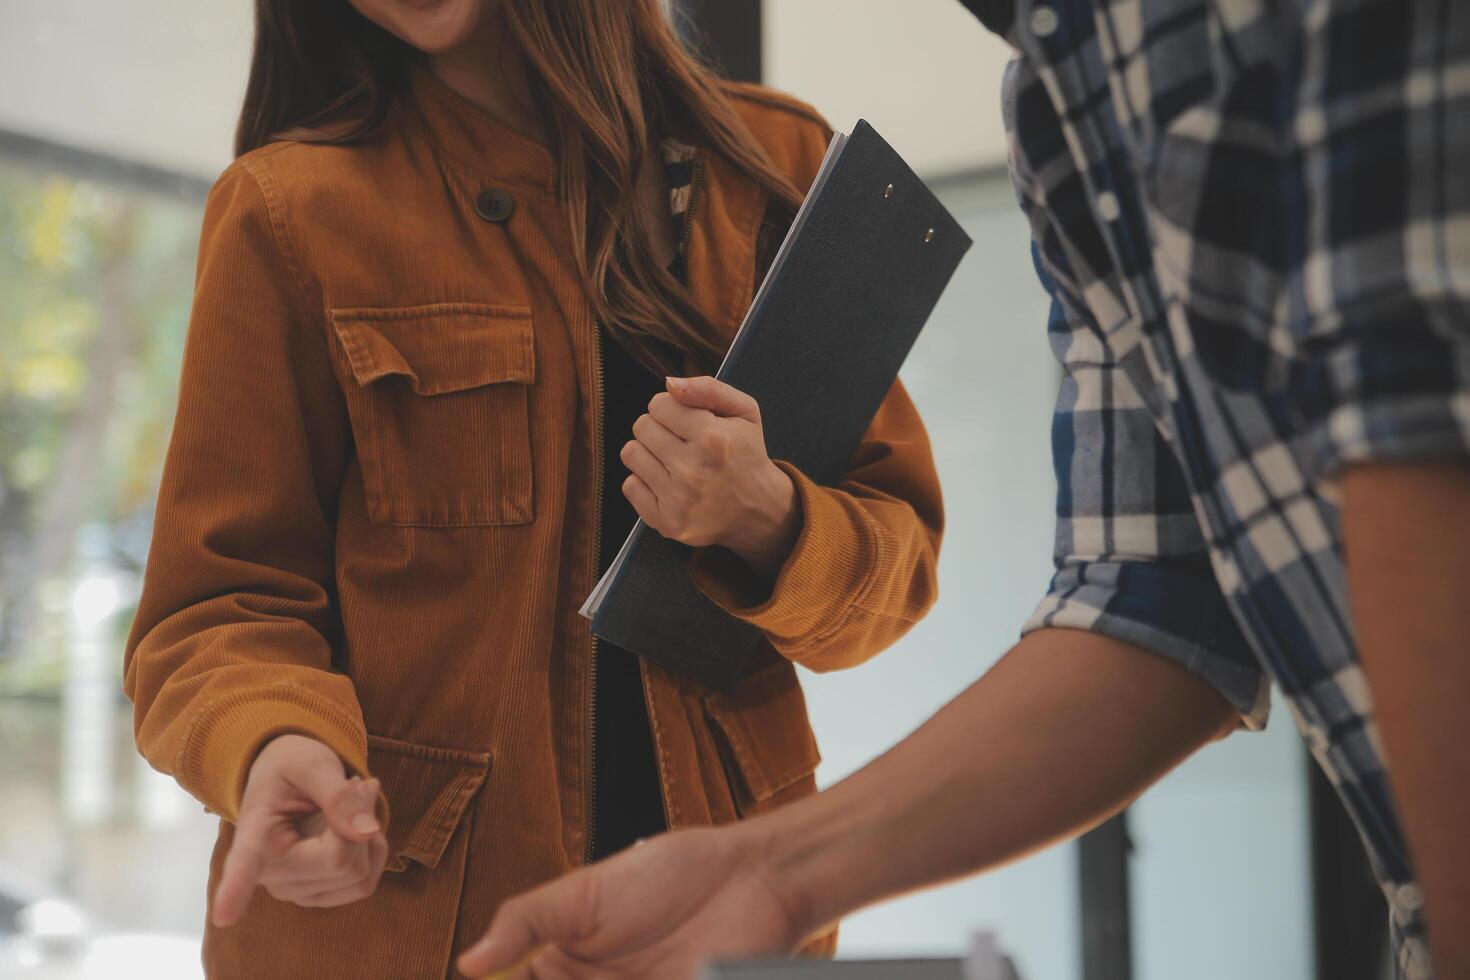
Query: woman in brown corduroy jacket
pixel 457 302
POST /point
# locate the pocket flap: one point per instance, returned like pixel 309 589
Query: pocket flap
pixel 765 722
pixel 428 790
pixel 439 348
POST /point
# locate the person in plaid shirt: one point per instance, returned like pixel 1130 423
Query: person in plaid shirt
pixel 1254 221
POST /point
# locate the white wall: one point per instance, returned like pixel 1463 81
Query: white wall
pixel 161 80
pixel 925 73
pixel 157 81
pixel 1221 869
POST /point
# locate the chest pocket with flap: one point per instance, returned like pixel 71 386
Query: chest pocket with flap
pixel 438 400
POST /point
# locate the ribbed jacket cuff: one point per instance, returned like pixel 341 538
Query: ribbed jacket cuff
pixel 829 572
pixel 216 755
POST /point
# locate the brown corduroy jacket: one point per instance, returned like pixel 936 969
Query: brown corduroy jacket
pixel 378 518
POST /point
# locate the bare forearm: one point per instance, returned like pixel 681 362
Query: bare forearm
pixel 1062 733
pixel 1406 530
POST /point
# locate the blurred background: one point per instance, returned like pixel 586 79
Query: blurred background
pixel 114 118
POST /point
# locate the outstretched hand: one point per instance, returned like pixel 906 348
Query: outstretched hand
pixel 658 911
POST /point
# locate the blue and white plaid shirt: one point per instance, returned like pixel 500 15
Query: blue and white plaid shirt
pixel 1254 220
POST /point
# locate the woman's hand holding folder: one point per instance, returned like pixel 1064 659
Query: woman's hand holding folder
pixel 701 476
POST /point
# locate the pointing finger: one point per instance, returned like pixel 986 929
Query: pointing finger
pixel 250 852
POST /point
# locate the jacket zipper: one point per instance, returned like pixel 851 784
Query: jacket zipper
pixel 597 440
pixel 696 179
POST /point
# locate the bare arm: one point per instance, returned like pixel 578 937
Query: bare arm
pixel 1063 732
pixel 1406 529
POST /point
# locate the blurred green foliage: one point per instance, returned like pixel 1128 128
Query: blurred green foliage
pixel 95 286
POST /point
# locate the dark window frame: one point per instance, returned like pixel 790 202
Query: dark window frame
pixel 48 155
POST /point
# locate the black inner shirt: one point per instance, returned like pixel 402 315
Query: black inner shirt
pixel 627 801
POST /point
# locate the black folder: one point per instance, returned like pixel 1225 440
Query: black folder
pixel 853 283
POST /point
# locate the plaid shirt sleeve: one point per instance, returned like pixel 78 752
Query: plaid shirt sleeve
pixel 1131 560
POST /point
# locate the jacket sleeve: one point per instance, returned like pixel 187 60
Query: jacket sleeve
pixel 1132 561
pixel 233 640
pixel 863 568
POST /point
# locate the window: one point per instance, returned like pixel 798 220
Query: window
pixel 96 267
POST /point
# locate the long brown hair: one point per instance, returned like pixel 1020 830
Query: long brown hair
pixel 611 76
